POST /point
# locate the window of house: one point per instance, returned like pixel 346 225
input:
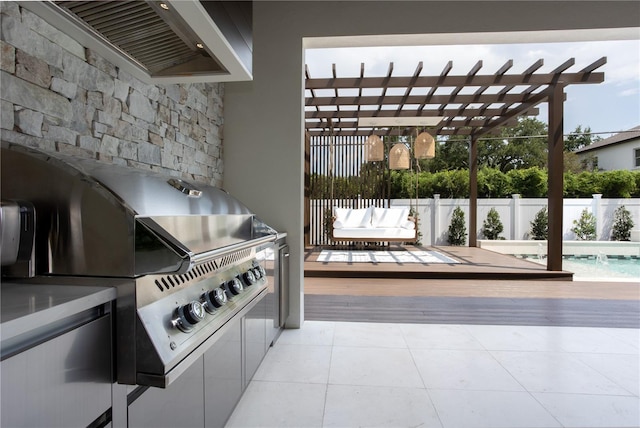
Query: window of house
pixel 636 153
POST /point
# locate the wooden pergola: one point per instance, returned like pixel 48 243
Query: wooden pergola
pixel 474 105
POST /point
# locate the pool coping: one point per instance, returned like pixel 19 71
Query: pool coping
pixel 569 248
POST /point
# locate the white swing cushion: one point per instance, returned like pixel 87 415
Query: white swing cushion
pixel 352 218
pixel 392 233
pixel 389 217
pixel 373 224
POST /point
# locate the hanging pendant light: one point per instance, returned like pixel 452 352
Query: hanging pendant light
pixel 399 157
pixel 425 146
pixel 373 148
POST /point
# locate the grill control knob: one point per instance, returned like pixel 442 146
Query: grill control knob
pixel 189 315
pixel 256 272
pixel 249 277
pixel 234 286
pixel 214 299
pixel 260 272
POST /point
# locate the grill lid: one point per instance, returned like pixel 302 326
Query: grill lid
pixel 105 220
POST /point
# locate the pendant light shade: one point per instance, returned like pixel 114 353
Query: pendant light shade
pixel 425 147
pixel 399 157
pixel 373 148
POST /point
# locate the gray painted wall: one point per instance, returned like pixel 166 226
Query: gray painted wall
pixel 263 154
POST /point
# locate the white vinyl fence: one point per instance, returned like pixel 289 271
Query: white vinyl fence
pixel 516 215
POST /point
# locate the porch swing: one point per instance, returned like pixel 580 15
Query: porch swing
pixel 378 225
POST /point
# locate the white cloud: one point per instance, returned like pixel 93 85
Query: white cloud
pixel 629 92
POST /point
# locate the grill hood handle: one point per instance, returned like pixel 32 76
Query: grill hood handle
pixel 179 264
pixel 221 252
pixel 186 259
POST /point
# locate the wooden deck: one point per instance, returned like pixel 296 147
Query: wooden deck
pixel 474 263
pixel 503 290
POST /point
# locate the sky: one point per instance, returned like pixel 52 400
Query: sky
pixel 606 108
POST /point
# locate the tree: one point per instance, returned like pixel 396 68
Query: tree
pixel 450 154
pixel 458 228
pixel 622 224
pixel 492 226
pixel 520 146
pixel 585 226
pixel 572 163
pixel 579 139
pixel 540 225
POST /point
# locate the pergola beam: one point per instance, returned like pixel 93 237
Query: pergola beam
pixel 353 131
pixel 350 123
pixel 355 114
pixel 395 100
pixel 453 81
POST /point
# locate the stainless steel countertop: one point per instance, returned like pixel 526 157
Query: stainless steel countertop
pixel 28 306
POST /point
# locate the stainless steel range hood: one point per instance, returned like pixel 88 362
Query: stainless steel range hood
pixel 177 41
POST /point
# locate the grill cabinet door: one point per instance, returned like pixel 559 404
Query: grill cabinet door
pixel 223 377
pixel 63 382
pixel 181 404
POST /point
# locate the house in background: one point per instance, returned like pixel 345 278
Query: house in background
pixel 620 151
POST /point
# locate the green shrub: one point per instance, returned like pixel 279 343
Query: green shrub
pixel 636 176
pixel 327 222
pixel 540 225
pixel 397 185
pixel 530 182
pixel 414 213
pixel 570 189
pixel 451 184
pixel 618 184
pixel 492 226
pixel 622 224
pixel 457 228
pixel 493 183
pixel 588 183
pixel 585 226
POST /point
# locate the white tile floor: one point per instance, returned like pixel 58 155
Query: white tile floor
pixel 335 374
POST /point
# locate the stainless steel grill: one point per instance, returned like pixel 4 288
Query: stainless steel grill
pixel 190 256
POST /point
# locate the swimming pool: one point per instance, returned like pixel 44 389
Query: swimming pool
pixel 600 267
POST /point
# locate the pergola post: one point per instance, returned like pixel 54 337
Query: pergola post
pixel 473 191
pixel 555 177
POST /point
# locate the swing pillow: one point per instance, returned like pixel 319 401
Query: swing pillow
pixel 348 218
pixel 391 217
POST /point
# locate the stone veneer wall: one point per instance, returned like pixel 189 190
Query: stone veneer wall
pixel 58 96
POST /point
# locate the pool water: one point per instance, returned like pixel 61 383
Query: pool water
pixel 600 267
